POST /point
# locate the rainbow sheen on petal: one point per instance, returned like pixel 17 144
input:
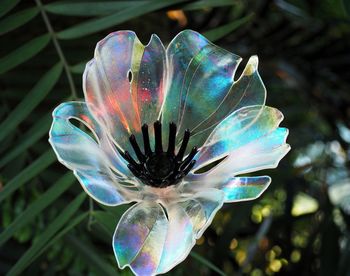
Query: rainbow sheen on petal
pixel 201 207
pixel 151 242
pixel 234 188
pixel 179 239
pixel 242 127
pixel 248 90
pixel 88 159
pixel 188 219
pixel 125 84
pixel 181 51
pixel 244 188
pixel 200 75
pixel 201 88
pixel 263 153
pixel 139 237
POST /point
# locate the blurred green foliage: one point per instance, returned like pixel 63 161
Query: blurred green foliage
pixel 301 225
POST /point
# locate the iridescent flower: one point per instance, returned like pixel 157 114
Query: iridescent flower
pixel 208 130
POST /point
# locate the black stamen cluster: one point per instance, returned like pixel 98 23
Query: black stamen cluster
pixel 160 168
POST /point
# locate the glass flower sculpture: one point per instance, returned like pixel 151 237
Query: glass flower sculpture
pixel 174 132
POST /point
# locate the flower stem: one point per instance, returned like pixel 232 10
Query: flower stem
pixel 58 48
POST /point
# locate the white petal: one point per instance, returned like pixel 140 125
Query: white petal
pixel 264 153
pixel 179 239
pixel 188 219
pixel 91 162
pixel 234 188
pixel 249 139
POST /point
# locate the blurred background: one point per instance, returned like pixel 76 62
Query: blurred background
pixel 299 226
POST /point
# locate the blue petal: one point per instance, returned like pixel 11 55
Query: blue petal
pixel 244 188
pixel 234 188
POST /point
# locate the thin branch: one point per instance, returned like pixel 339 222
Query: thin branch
pixel 91 211
pixel 58 48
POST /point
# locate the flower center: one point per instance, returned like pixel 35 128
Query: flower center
pixel 160 168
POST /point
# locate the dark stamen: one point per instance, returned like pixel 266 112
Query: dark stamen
pixel 135 171
pixel 146 144
pixel 136 148
pixel 158 168
pixel 189 167
pixel 131 160
pixel 189 158
pixel 172 138
pixel 183 147
pixel 158 136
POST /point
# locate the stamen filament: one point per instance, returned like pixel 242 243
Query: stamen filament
pixel 158 136
pixel 146 143
pixel 160 169
pixel 136 148
pixel 183 147
pixel 172 138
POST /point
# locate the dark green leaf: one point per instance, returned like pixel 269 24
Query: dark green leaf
pixel 36 132
pixel 37 206
pixel 204 4
pixel 33 98
pixel 95 25
pixel 329 243
pixel 23 53
pixel 90 256
pixel 207 263
pixel 117 212
pixel 90 8
pixel 78 68
pixel 220 32
pixel 75 221
pixel 28 173
pixel 106 220
pixel 7 5
pixel 49 233
pixel 346 4
pixel 16 20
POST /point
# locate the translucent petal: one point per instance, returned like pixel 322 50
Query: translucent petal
pixel 248 90
pixel 91 162
pixel 199 76
pixel 262 153
pixel 124 83
pixel 202 207
pixel 179 239
pixel 234 188
pixel 188 219
pixel 152 242
pixel 246 125
pixel 139 238
pixel 201 89
pixel 244 188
